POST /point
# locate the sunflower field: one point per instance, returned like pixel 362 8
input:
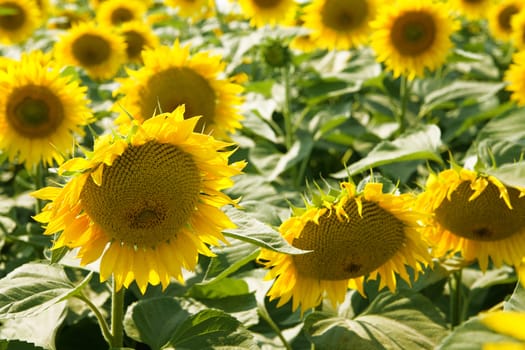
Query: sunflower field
pixel 262 174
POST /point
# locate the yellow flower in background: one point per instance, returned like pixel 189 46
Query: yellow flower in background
pixel 500 17
pixel 268 12
pixel 508 323
pixel 138 37
pixel 116 12
pixel 171 77
pixel 355 238
pixel 339 24
pixel 100 51
pixel 515 76
pixel 23 19
pixel 147 204
pixel 474 215
pixel 195 9
pixel 518 30
pixel 41 111
pixel 411 36
pixel 471 9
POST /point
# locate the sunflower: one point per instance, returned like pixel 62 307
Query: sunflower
pixel 471 9
pixel 41 111
pixel 268 12
pixel 138 36
pixel 98 50
pixel 475 215
pixel 353 238
pixel 171 77
pixel 515 75
pixel 195 9
pixel 500 17
pixel 22 18
pixel 115 12
pixel 146 203
pixel 518 30
pixel 410 36
pixel 508 323
pixel 339 24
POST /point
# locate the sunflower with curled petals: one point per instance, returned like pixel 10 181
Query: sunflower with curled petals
pixel 147 204
pixel 336 24
pixel 475 215
pixel 354 238
pixel 268 12
pixel 411 36
pixel 21 19
pixel 171 77
pixel 41 111
pixel 99 51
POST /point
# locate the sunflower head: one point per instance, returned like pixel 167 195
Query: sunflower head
pixel 193 9
pixel 268 12
pixel 147 203
pixel 471 9
pixel 116 12
pixel 475 215
pixel 350 237
pixel 514 76
pixel 500 18
pixel 338 24
pixel 275 53
pixel 138 37
pixel 99 51
pixel 20 20
pixel 518 30
pixel 172 77
pixel 411 36
pixel 41 111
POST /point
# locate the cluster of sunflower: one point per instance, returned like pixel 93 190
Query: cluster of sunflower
pixel 146 199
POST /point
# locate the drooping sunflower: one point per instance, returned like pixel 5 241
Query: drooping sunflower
pixel 147 203
pixel 268 12
pixel 518 30
pixel 411 36
pixel 339 24
pixel 508 323
pixel 515 76
pixel 475 215
pixel 170 77
pixel 100 51
pixel 116 12
pixel 195 9
pixel 354 238
pixel 138 37
pixel 41 111
pixel 471 9
pixel 500 17
pixel 23 19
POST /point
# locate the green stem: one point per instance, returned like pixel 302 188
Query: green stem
pixel 39 183
pixel 117 316
pixel 265 316
pixel 405 94
pixel 101 321
pixel 456 299
pixel 288 129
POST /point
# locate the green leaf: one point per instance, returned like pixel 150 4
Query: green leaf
pixel 253 231
pixel 154 321
pixel 471 335
pixel 422 143
pixel 458 90
pixel 405 320
pixel 40 329
pixel 211 329
pixel 510 174
pixel 516 301
pixel 300 149
pixel 34 287
pixel 228 259
pixel 509 126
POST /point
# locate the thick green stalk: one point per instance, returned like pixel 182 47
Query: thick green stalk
pixel 456 299
pixel 117 316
